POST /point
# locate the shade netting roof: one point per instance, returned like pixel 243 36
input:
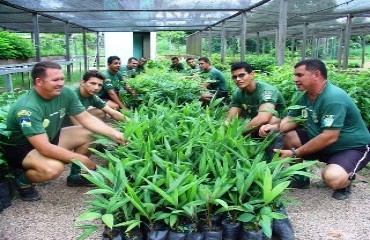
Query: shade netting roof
pixel 324 18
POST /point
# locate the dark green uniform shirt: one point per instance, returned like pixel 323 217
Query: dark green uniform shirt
pixel 250 102
pixel 31 115
pixel 334 110
pixel 178 68
pixel 112 82
pixel 129 73
pixel 216 79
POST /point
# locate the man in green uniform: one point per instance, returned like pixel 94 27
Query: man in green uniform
pixel 129 71
pixel 38 148
pixel 114 82
pixel 253 99
pixel 176 65
pixel 193 67
pixel 92 82
pixel 334 130
pixel 141 65
pixel 215 81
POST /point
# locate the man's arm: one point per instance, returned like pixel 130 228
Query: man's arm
pixel 321 141
pixel 285 125
pixel 95 125
pixel 113 113
pixel 234 112
pixel 130 90
pixel 263 116
pixel 113 96
pixel 41 143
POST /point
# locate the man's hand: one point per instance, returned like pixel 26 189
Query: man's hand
pixel 265 129
pixel 118 137
pixel 284 153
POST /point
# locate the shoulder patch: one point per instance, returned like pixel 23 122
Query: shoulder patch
pixel 25 122
pixel 267 95
pixel 24 113
pixel 328 120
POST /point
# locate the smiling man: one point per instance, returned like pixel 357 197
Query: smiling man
pixel 38 148
pixel 333 132
pixel 253 99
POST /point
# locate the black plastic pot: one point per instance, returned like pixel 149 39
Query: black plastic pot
pixel 250 234
pixel 210 235
pixel 176 236
pixel 230 231
pixel 282 228
pixel 194 236
pixel 112 234
pixel 157 235
pixel 5 195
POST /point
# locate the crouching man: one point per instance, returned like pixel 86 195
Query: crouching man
pixel 38 147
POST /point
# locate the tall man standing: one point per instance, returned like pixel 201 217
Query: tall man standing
pixel 38 147
pixel 334 131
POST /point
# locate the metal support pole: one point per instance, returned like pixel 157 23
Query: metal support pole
pixel 363 51
pixel 210 41
pixel 97 51
pixel 68 52
pixel 347 38
pixel 223 42
pixel 36 35
pixel 339 54
pixel 84 49
pixel 258 43
pixel 243 33
pixel 283 18
pixel 292 48
pixel 304 41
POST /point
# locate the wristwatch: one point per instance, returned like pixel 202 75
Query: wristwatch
pixel 294 152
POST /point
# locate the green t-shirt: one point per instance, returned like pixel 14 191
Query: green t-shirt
pixel 334 110
pixel 193 70
pixel 129 73
pixel 90 101
pixel 216 79
pixel 178 68
pixel 112 82
pixel 140 69
pixel 250 102
pixel 32 115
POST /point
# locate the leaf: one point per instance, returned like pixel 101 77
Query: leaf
pixel 89 229
pixel 89 216
pixel 246 217
pixel 108 220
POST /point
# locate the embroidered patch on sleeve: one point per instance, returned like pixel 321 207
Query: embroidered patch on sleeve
pixel 25 122
pixel 266 95
pixel 24 113
pixel 328 120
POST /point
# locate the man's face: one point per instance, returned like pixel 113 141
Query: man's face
pixel 303 79
pixel 115 66
pixel 142 62
pixel 52 84
pixel 132 64
pixel 175 62
pixel 204 66
pixel 191 63
pixel 242 78
pixel 92 86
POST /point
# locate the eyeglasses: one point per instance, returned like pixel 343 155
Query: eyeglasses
pixel 241 75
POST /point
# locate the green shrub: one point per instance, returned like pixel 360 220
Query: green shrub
pixel 14 47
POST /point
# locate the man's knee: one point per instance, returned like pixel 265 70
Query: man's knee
pixel 335 176
pixel 291 140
